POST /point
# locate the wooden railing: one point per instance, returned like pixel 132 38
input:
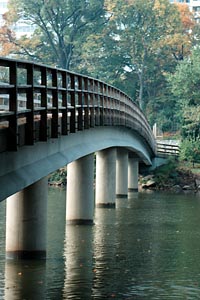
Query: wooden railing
pixel 167 149
pixel 38 102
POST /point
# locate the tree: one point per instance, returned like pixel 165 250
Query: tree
pixel 184 84
pixel 137 43
pixel 60 27
pixel 181 46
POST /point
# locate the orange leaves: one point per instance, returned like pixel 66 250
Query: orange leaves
pixel 187 17
pixel 6 41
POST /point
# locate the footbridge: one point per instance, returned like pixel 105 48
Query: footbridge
pixel 50 118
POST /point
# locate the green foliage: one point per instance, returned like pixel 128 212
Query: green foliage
pixel 191 122
pixel 59 176
pixel 135 47
pixel 61 27
pixel 184 85
pixel 167 173
pixel 185 81
pixel 190 150
pixel 162 110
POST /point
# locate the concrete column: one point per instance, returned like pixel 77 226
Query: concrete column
pixel 132 174
pixel 80 191
pixel 105 178
pixel 26 222
pixel 122 173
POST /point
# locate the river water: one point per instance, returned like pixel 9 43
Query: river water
pixel 146 248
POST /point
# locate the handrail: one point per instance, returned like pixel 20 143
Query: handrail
pixel 167 149
pixel 38 102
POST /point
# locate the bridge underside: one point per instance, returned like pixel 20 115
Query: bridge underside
pixel 29 164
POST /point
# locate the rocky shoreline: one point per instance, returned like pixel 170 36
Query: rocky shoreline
pixel 184 180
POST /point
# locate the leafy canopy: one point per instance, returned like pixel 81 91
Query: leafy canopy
pixel 61 26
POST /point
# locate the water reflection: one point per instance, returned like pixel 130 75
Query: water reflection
pixel 146 248
pixel 104 253
pixel 127 202
pixel 78 255
pixel 55 247
pixel 24 280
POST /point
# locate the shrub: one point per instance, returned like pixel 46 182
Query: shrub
pixel 190 150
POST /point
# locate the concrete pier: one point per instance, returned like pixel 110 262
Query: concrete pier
pixel 122 173
pixel 26 222
pixel 80 191
pixel 105 178
pixel 132 174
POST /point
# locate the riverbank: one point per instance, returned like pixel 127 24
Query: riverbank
pixel 175 176
pixel 58 178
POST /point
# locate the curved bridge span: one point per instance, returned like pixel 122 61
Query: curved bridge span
pixel 63 116
pixel 50 118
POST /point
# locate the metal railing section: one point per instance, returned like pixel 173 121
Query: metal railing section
pixel 38 102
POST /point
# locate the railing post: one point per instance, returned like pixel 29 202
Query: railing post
pixel 96 103
pixel 13 107
pixel 64 129
pixel 105 106
pixel 80 104
pixel 43 114
pixel 101 105
pixel 73 103
pixel 92 109
pixel 29 133
pixel 86 106
pixel 54 120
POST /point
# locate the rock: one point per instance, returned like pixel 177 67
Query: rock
pixel 177 187
pixel 56 183
pixel 197 182
pixel 149 183
pixel 188 187
pixel 147 178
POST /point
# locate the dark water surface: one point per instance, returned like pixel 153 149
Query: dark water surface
pixel 146 248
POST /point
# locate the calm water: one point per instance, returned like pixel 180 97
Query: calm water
pixel 146 248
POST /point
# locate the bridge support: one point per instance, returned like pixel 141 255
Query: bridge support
pixel 105 178
pixel 26 222
pixel 133 174
pixel 80 194
pixel 122 173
